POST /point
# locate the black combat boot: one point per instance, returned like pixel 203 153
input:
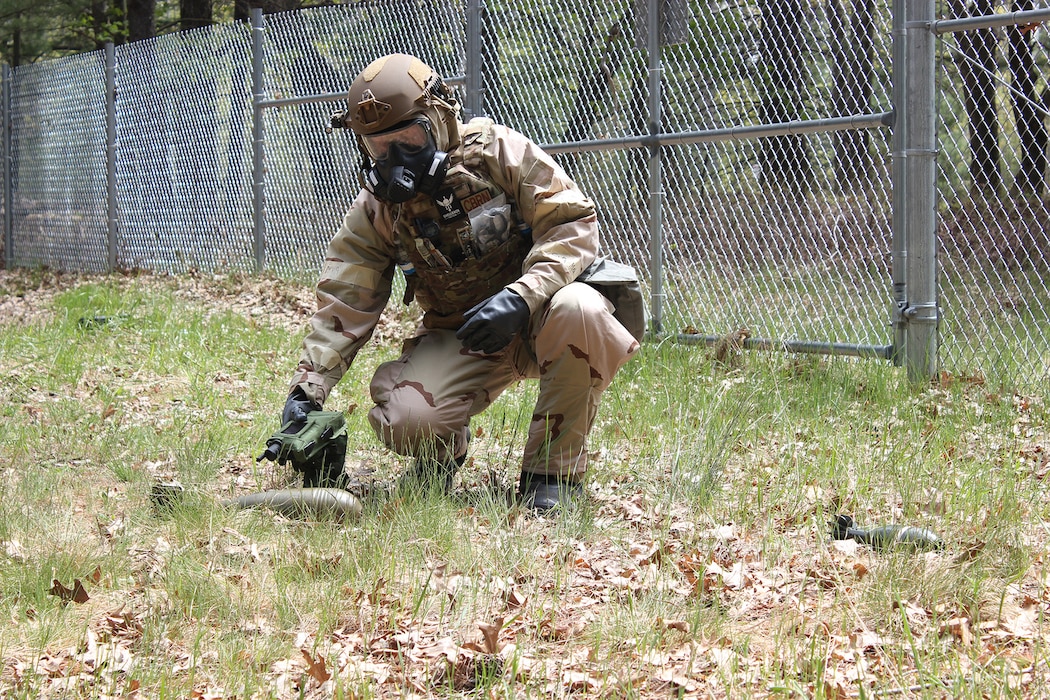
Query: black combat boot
pixel 543 493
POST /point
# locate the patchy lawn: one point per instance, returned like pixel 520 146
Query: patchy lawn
pixel 699 565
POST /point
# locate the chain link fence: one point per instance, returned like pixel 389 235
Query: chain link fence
pixel 995 220
pixel 784 234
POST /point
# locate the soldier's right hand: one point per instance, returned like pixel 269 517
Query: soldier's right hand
pixel 297 406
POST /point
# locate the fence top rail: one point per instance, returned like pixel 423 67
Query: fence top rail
pixel 847 123
pixel 328 97
pixel 734 133
pixel 1004 19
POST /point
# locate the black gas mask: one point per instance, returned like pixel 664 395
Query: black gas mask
pixel 404 162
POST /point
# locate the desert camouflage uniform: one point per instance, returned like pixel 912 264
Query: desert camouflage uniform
pixel 506 216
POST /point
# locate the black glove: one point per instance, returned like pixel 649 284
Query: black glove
pixel 492 324
pixel 295 410
pixel 297 406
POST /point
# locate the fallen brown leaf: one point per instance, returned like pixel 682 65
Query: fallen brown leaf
pixel 680 625
pixel 207 694
pixel 53 666
pixel 916 614
pixel 315 668
pixel 515 598
pixel 122 624
pixel 580 681
pixel 1023 623
pixel 490 633
pixel 445 648
pixel 837 688
pixel 959 627
pixel 679 682
pixel 76 594
pixel 864 639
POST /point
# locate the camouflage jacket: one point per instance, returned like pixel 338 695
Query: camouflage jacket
pixel 507 216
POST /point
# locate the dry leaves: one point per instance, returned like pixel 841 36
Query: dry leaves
pixel 76 594
pixel 734 605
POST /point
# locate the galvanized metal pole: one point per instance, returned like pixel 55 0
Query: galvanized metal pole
pixel 474 103
pixel 828 125
pixel 1003 19
pixel 920 149
pixel 111 156
pixel 258 138
pixel 898 174
pixel 655 171
pixel 798 346
pixel 9 171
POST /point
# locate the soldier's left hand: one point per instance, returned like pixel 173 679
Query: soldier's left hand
pixel 492 324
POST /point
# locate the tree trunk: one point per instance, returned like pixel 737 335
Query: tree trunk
pixel 242 9
pixel 852 55
pixel 593 86
pixel 784 160
pixel 142 23
pixel 1031 130
pixel 639 157
pixel 977 68
pixel 194 14
pixel 104 24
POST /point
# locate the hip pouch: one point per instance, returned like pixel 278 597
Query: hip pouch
pixel 619 284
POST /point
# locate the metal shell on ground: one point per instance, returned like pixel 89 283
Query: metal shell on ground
pixel 309 503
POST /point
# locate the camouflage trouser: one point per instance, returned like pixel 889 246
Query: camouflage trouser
pixel 574 346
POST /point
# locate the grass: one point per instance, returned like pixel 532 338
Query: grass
pixel 698 565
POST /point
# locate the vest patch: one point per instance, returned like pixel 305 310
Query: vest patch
pixel 476 200
pixel 427 228
pixel 449 205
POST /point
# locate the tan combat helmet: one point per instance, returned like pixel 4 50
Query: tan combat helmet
pixel 394 89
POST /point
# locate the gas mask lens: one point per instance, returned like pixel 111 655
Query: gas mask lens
pixel 405 162
pixel 409 138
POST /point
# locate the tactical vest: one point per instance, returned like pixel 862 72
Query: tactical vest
pixel 466 243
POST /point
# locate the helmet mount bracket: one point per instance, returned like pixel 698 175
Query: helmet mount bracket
pixel 370 110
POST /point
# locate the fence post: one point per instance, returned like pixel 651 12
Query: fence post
pixel 474 101
pixel 258 139
pixel 655 175
pixel 111 155
pixel 898 173
pixel 921 314
pixel 9 159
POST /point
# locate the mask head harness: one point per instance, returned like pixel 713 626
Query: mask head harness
pixel 391 108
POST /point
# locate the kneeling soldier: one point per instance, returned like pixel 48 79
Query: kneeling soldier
pixel 493 239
